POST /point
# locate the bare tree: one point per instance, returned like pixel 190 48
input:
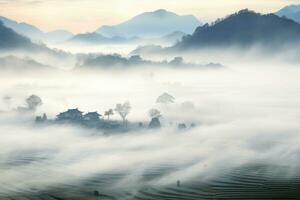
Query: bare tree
pixel 123 110
pixel 108 113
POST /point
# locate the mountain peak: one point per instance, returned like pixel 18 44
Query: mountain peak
pixel 34 33
pixel 157 23
pixel 291 12
pixel 160 11
pixel 292 8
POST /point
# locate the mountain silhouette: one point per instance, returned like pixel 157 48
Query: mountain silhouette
pixel 35 33
pixel 96 38
pixel 244 29
pixel 291 12
pixel 152 24
pixel 10 40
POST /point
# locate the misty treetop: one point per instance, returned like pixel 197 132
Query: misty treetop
pixel 102 61
pixel 165 98
pixel 32 103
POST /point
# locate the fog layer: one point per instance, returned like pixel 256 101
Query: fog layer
pixel 244 114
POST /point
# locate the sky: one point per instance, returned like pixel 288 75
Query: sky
pixel 87 15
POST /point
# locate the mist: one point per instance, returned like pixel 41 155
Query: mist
pixel 244 114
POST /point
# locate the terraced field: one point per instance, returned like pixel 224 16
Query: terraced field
pixel 253 182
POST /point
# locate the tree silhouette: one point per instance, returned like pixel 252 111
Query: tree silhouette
pixel 123 110
pixel 33 102
pixel 108 113
pixel 165 98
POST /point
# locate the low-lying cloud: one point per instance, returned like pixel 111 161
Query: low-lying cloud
pixel 243 115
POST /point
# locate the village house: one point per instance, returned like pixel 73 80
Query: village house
pixel 72 115
pixel 92 116
pixel 92 119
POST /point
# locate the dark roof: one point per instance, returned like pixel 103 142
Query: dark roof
pixel 74 110
pixel 92 114
pixel 71 111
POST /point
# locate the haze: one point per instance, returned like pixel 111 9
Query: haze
pixel 244 117
pixel 86 16
pixel 160 107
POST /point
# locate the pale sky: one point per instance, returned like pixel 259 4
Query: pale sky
pixel 88 15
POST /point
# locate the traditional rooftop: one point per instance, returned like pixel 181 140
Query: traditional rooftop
pixel 71 114
pixel 92 116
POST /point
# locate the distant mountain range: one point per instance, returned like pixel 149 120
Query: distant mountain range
pixel 152 24
pixel 35 33
pixel 244 29
pixel 291 12
pixel 10 40
pixel 12 43
pixel 98 39
pixel 158 26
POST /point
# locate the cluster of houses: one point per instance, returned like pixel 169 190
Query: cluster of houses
pixel 75 116
pixel 96 120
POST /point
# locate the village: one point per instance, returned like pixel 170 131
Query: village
pixel 104 122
